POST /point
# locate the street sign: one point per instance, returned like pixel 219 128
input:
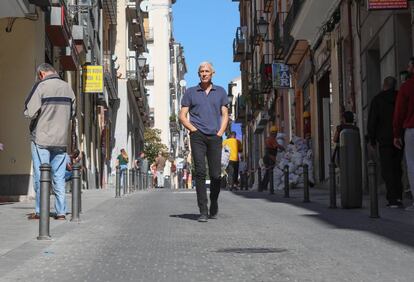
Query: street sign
pixel 387 4
pixel 92 79
pixel 280 75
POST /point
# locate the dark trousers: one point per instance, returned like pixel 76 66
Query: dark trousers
pixel 391 171
pixel 202 147
pixel 265 182
pixel 233 173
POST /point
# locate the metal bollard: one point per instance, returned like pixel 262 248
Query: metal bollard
pixel 286 172
pixel 124 174
pixel 272 187
pixel 76 193
pixel 332 186
pixel 131 181
pixel 373 193
pixel 44 222
pixel 306 183
pixel 118 184
pixel 136 179
pixel 259 179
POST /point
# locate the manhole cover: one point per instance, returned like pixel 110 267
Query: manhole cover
pixel 252 250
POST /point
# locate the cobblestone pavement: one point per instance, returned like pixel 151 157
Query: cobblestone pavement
pixel 154 236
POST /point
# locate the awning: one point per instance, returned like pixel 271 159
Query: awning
pixel 14 8
pixel 311 18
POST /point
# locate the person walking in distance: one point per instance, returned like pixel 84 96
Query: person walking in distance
pixel 206 105
pixel 160 162
pixel 233 166
pixel 50 106
pixel 122 162
pixel 403 124
pixel 380 132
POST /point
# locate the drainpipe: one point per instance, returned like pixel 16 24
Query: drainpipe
pixel 351 42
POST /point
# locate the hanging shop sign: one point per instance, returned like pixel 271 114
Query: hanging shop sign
pixel 280 75
pixel 92 79
pixel 387 4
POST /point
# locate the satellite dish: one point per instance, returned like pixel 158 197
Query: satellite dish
pixel 145 6
pixel 183 83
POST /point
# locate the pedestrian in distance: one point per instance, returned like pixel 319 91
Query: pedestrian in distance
pixel 160 162
pixel 243 174
pixel 50 106
pixel 122 162
pixel 403 124
pixel 233 166
pixel 269 159
pixel 380 133
pixel 206 105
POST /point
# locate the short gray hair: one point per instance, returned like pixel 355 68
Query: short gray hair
pixel 45 67
pixel 205 63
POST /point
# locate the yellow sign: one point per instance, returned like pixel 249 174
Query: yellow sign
pixel 92 79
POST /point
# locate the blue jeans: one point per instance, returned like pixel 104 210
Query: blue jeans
pixel 56 158
pixel 123 170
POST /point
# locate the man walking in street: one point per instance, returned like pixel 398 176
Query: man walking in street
pixel 404 124
pixel 380 131
pixel 50 106
pixel 160 165
pixel 233 166
pixel 206 104
pixel 269 159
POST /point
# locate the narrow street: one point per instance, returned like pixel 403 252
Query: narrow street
pixel 154 236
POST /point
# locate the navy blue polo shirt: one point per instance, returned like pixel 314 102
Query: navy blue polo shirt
pixel 205 110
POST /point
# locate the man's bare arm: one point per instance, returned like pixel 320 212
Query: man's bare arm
pixel 224 120
pixel 185 121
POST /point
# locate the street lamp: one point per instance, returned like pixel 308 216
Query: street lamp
pixel 141 61
pixel 262 27
pixel 230 93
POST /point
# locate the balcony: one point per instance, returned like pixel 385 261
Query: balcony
pixel 109 9
pixel 70 60
pixel 240 109
pixel 260 122
pixel 277 37
pixel 58 28
pixel 266 74
pixel 80 38
pixel 110 79
pixel 150 75
pixel 136 32
pixel 288 24
pixel 239 46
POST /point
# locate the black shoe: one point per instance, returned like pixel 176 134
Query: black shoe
pixel 203 218
pixel 213 210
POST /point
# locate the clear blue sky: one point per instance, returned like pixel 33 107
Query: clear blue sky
pixel 206 29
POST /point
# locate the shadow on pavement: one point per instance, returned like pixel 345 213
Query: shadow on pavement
pixel 189 216
pixel 353 219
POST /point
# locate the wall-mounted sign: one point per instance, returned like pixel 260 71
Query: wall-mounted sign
pixel 387 4
pixel 280 75
pixel 92 79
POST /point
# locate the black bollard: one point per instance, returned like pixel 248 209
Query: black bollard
pixel 306 184
pixel 76 184
pixel 136 179
pixel 373 193
pixel 124 174
pixel 131 181
pixel 286 172
pixel 45 183
pixel 118 184
pixel 259 179
pixel 332 186
pixel 272 187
